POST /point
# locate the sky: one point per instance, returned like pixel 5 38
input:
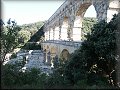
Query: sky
pixel 30 11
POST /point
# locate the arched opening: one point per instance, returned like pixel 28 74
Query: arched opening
pixel 56 37
pixel 90 12
pixel 89 20
pixel 51 34
pixel 64 54
pixel 64 29
pixel 46 35
pixel 77 29
pixel 83 14
pixel 53 51
pixel 45 55
pixel 53 54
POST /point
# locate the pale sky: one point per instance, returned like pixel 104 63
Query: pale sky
pixel 30 11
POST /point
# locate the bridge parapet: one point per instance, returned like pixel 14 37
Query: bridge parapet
pixel 66 43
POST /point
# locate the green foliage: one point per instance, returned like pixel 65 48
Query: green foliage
pixel 13 78
pixel 75 67
pixel 89 67
pixel 30 33
pixel 87 24
pixel 95 59
pixel 33 27
pixel 9 38
pixel 23 36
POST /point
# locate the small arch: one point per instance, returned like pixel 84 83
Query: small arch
pixel 53 50
pixel 51 34
pixel 56 37
pixel 64 54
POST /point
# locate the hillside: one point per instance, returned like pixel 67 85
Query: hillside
pixel 32 27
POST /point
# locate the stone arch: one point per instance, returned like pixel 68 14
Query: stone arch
pixel 79 15
pixel 64 54
pixel 56 35
pixel 51 34
pixel 53 50
pixel 82 9
pixel 53 54
pixel 93 14
pixel 64 29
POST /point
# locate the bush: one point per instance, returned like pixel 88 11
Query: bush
pixel 13 78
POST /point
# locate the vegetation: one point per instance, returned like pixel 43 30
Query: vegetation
pixel 14 36
pixel 87 24
pixel 9 38
pixel 13 78
pixel 28 31
pixel 92 66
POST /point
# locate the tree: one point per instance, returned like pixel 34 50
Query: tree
pixel 23 36
pixel 96 58
pixel 88 23
pixel 9 38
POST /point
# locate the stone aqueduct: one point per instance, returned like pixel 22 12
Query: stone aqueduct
pixel 63 28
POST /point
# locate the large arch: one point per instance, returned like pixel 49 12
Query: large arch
pixel 79 16
pixel 64 54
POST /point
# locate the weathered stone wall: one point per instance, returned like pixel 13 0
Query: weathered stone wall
pixel 74 10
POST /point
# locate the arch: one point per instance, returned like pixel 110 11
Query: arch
pixel 53 50
pixel 88 12
pixel 82 9
pixel 56 37
pixel 64 29
pixel 64 54
pixel 77 28
pixel 47 35
pixel 51 34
